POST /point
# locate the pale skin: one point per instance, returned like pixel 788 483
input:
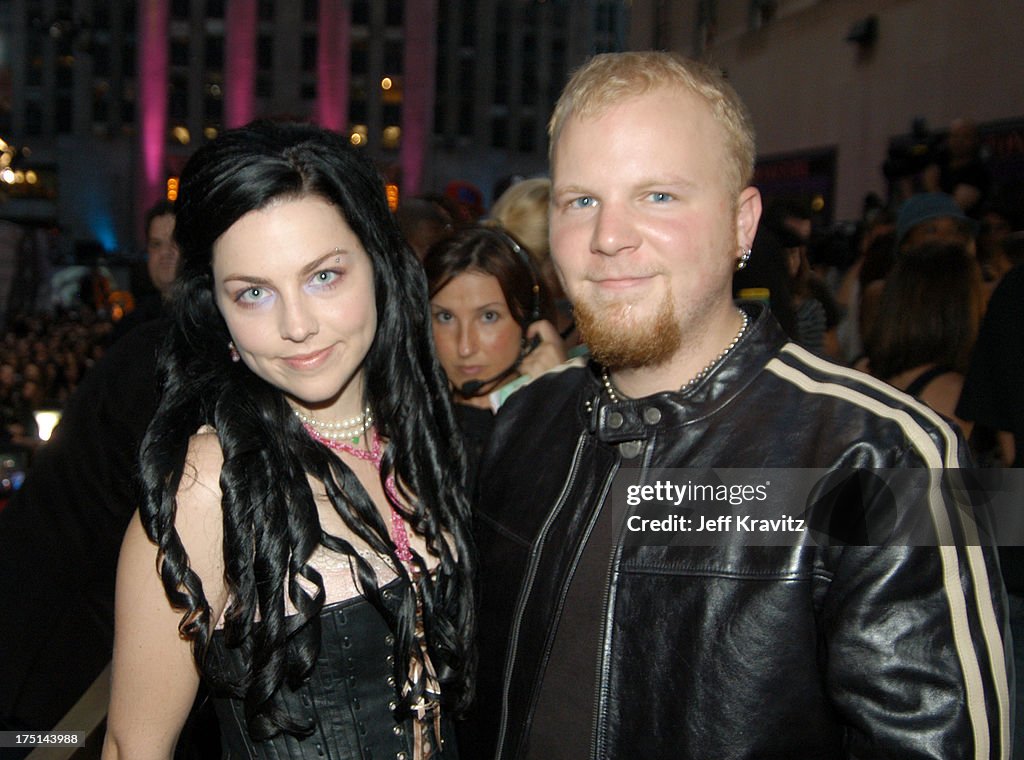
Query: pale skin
pixel 302 316
pixel 642 211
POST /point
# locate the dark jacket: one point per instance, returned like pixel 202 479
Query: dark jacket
pixel 807 650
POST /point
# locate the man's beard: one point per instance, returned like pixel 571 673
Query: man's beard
pixel 621 341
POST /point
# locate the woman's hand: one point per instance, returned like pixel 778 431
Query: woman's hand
pixel 548 353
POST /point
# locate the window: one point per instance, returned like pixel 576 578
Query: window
pixel 527 143
pixel 466 117
pixel 33 118
pixel 213 109
pixel 177 98
pixel 394 56
pixel 179 52
pixel 499 132
pixel 215 53
pixel 395 12
pixel 360 58
pixel 360 12
pixel 64 111
pixel 761 13
pixel 179 9
pixel 309 48
pixel 128 58
pixel 264 87
pixel 357 111
pixel 264 53
pixel 101 59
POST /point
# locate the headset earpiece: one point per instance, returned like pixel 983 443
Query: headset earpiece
pixel 534 275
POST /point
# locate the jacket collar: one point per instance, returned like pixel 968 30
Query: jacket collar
pixel 637 419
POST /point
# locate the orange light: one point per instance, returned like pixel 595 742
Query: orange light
pixel 391 190
pixel 172 188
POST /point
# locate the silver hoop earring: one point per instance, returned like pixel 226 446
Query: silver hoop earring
pixel 741 262
pixel 233 352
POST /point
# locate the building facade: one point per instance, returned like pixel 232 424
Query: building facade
pixel 104 100
pixel 833 85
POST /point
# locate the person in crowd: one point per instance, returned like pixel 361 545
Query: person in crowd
pixel 491 315
pixel 466 201
pixel 933 216
pixel 599 642
pixel 423 222
pixel 162 262
pixel 993 400
pixel 922 218
pixel 813 305
pixel 875 244
pixel 996 223
pixel 765 278
pixel 522 210
pixel 960 169
pixel 927 322
pixel 61 531
pixel 301 541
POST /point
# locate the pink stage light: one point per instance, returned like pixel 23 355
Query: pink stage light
pixel 333 42
pixel 240 22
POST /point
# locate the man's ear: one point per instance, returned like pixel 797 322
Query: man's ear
pixel 748 214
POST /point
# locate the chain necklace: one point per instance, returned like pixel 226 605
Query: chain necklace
pixel 399 534
pixel 614 397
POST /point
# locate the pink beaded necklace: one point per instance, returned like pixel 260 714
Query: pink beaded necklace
pixel 399 534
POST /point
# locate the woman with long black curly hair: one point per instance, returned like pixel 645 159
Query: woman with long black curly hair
pixel 302 504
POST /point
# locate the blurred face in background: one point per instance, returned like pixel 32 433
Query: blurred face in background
pixel 475 333
pixel 162 256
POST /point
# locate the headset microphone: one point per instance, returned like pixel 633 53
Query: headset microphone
pixel 473 388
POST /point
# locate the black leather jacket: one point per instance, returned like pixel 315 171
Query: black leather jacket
pixel 798 651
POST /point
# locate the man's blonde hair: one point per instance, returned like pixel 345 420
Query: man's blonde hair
pixel 610 78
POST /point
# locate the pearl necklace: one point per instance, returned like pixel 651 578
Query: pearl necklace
pixel 614 397
pixel 399 534
pixel 347 430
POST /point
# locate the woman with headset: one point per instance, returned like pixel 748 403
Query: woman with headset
pixel 493 324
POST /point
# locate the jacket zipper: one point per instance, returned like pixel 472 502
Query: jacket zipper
pixel 600 672
pixel 524 593
pixel 604 645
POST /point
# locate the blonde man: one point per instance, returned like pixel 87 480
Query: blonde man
pixel 837 631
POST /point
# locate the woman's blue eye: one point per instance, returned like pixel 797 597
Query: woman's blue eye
pixel 252 295
pixel 443 316
pixel 491 316
pixel 326 277
pixel 660 197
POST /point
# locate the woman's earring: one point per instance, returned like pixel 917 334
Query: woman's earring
pixel 233 352
pixel 741 262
